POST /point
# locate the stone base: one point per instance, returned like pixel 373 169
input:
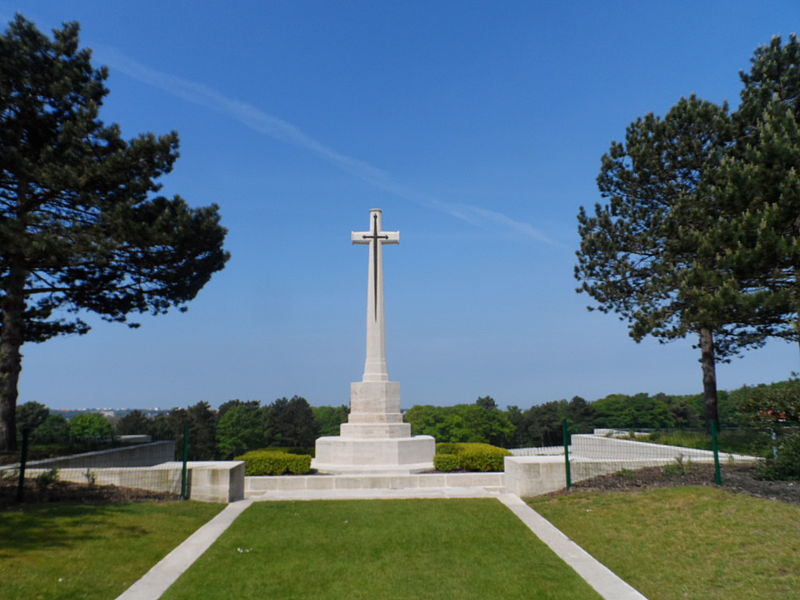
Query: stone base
pixel 356 430
pixel 374 455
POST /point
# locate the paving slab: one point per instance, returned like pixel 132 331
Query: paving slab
pixel 596 574
pixel 374 494
pixel 156 581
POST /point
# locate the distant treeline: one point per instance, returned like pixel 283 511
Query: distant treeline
pixel 238 426
pixel 541 425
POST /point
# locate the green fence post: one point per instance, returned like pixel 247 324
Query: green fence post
pixel 565 433
pixel 23 458
pixel 185 471
pixel 715 448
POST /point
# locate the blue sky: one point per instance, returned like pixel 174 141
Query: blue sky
pixel 477 127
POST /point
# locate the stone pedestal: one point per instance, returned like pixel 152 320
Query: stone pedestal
pixel 375 439
pixel 376 455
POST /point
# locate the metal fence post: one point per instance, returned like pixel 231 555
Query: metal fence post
pixel 565 433
pixel 23 458
pixel 774 437
pixel 185 471
pixel 715 448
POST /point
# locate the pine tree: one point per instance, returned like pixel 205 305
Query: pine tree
pixel 702 230
pixel 761 183
pixel 79 230
pixel 641 255
pixel 289 422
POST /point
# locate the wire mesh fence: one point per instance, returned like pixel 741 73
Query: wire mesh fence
pixel 45 465
pixel 676 451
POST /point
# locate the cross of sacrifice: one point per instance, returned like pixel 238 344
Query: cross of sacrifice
pixel 375 369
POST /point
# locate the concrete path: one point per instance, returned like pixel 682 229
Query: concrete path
pixel 597 575
pixel 156 581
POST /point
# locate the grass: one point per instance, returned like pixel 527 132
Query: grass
pixel 687 542
pixel 386 549
pixel 88 552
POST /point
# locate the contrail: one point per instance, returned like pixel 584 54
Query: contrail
pixel 261 122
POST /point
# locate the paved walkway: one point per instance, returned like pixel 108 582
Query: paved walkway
pixel 596 574
pixel 156 581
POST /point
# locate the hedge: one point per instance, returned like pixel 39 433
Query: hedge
pixel 469 457
pixel 446 462
pixel 271 462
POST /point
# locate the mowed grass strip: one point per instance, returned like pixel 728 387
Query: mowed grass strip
pixel 687 542
pixel 381 549
pixel 89 552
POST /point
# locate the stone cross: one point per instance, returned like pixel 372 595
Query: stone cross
pixel 375 368
pixel 375 439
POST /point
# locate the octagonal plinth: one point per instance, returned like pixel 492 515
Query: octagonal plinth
pixel 336 454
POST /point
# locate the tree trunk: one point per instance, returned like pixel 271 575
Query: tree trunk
pixel 709 367
pixel 13 335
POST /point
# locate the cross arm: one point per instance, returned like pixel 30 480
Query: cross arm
pixel 365 237
pixel 360 237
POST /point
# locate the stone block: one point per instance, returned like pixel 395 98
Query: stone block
pixel 431 480
pixel 491 479
pixel 375 430
pixel 217 481
pixel 379 397
pixel 534 475
pixel 376 455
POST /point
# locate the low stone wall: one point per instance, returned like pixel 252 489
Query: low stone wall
pixel 540 451
pixel 595 446
pixel 537 475
pixel 140 455
pixel 220 482
pixel 256 486
pixel 166 480
pixel 209 481
pixel 213 480
pixel 534 475
pixel 529 473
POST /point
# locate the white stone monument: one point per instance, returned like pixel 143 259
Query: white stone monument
pixel 375 439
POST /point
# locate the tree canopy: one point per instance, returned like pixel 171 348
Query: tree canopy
pixel 90 426
pixel 240 428
pixel 80 226
pixel 289 422
pixel 30 416
pixel 479 422
pixel 700 230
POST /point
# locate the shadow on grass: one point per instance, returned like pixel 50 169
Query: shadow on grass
pixel 27 528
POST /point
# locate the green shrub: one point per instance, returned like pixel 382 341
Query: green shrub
pixel 786 466
pixel 270 462
pixel 482 457
pixel 470 456
pixel 679 468
pixel 46 479
pixel 291 449
pixel 447 448
pixel 446 462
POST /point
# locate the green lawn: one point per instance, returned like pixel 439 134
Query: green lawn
pixel 73 551
pixel 384 549
pixel 687 542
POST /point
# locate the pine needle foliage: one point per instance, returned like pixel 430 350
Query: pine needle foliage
pixel 700 232
pixel 80 226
